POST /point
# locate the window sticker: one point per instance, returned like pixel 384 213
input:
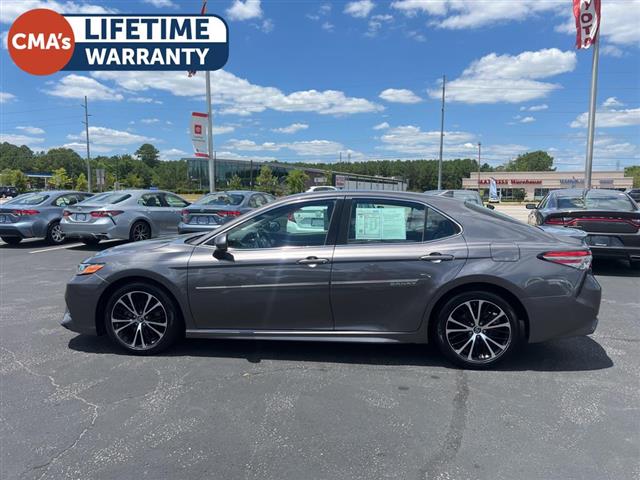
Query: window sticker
pixel 387 223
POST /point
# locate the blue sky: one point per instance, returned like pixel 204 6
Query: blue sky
pixel 307 80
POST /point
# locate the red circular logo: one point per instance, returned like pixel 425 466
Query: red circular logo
pixel 41 41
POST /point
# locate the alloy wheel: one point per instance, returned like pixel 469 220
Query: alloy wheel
pixel 139 320
pixel 478 331
pixel 140 232
pixel 57 235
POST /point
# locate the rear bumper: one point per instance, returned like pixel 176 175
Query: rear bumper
pixel 555 317
pixel 100 231
pixel 189 228
pixel 630 253
pixel 18 229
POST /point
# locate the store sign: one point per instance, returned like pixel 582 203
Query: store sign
pixel 571 180
pixel 42 42
pixel 514 181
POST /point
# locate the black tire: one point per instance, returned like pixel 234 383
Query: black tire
pixel 140 230
pixel 11 240
pixel 127 337
pixel 55 235
pixel 458 341
pixel 90 242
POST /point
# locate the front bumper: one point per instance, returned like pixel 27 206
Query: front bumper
pixel 82 296
pixel 565 316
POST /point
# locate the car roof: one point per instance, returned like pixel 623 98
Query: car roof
pixel 583 191
pixel 241 192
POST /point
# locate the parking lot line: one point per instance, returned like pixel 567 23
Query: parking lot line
pixel 61 247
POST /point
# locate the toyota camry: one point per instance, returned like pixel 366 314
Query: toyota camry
pixel 362 266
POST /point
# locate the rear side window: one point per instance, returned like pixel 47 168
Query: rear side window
pixel 29 199
pixel 438 226
pixel 386 221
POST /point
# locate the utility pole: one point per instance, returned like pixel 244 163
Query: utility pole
pixel 86 125
pixel 212 160
pixel 349 157
pixel 340 157
pixel 479 149
pixel 444 79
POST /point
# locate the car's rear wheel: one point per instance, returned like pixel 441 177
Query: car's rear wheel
pixel 142 319
pixel 477 329
pixel 11 240
pixel 91 242
pixel 140 230
pixel 55 235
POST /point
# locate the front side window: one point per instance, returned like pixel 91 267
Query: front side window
pixel 386 221
pixel 299 225
pixel 174 201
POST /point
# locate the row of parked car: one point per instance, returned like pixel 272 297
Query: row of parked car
pixel 125 214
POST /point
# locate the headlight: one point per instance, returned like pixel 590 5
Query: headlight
pixel 88 268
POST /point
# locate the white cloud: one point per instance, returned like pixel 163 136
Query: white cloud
pixel 611 51
pixel 234 95
pixel 381 126
pixel 161 3
pixel 144 100
pixel 12 9
pixel 226 155
pixel 417 36
pixel 31 130
pixel 6 97
pixel 506 78
pixel 376 22
pixel 111 137
pixel 610 118
pixel 304 148
pixel 409 139
pixel 293 128
pixel 612 102
pixel 251 146
pixel 328 26
pixel 527 119
pixel 172 154
pixel 459 14
pixel 149 121
pixel 534 108
pixel 20 139
pixel 81 148
pixel 222 129
pixel 77 86
pixel 359 8
pixel 244 10
pixel 400 95
pixel 267 25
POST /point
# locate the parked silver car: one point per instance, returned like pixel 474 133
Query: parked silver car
pixel 125 214
pixel 37 215
pixel 217 208
pixel 376 266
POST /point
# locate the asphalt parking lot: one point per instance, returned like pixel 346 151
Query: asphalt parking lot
pixel 73 407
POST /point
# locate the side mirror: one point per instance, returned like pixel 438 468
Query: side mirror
pixel 490 207
pixel 221 243
pixel 530 206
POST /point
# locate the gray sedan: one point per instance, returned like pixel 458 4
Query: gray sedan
pixel 126 214
pixel 217 208
pixel 37 215
pixel 371 266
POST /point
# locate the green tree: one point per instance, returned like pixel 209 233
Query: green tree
pixel 634 172
pixel 297 181
pixel 14 178
pixel 60 179
pixel 265 181
pixel 81 183
pixel 537 161
pixel 149 155
pixel 235 183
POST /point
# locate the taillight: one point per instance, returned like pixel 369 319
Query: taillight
pixel 229 213
pixel 105 213
pixel 558 221
pixel 580 259
pixel 24 213
pixel 66 213
pixel 185 215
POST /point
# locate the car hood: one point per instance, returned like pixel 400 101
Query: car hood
pixel 145 247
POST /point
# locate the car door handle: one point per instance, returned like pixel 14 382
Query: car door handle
pixel 437 257
pixel 312 261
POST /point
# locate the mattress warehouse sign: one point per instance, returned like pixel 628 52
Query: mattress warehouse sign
pixel 42 42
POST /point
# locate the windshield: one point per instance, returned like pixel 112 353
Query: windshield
pixel 221 198
pixel 107 198
pixel 28 199
pixel 596 201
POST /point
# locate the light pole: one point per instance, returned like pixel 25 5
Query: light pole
pixel 479 150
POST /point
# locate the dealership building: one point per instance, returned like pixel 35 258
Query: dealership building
pixel 537 184
pixel 249 170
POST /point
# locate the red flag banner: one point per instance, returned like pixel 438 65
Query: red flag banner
pixel 587 15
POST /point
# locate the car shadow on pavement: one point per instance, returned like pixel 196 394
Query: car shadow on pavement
pixel 615 267
pixel 564 355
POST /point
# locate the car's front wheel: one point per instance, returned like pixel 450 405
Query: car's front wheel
pixel 142 319
pixel 477 329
